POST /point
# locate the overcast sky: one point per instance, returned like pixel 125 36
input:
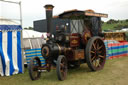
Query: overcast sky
pixel 33 9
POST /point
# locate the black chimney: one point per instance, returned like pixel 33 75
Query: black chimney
pixel 49 9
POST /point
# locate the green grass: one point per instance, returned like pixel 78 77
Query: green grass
pixel 115 72
pixel 106 26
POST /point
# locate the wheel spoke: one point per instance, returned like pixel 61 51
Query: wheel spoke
pixel 101 56
pixel 93 58
pixel 99 65
pixel 99 47
pixel 92 52
pixel 94 46
pixel 95 62
pixel 96 42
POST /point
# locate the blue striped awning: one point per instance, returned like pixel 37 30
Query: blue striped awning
pixel 10 27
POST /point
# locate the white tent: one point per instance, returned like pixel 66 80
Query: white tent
pixel 10 45
pixel 4 21
pixel 32 34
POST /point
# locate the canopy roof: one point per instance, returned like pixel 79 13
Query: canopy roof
pixel 9 25
pixel 5 21
pixel 79 14
pixel 32 34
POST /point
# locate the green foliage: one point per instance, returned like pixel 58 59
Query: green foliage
pixel 115 24
pixel 29 28
pixel 112 21
pixel 126 20
pixel 102 22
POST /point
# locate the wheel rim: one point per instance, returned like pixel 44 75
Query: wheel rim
pixel 34 68
pixel 63 68
pixel 98 54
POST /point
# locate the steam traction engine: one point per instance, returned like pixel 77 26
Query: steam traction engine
pixel 65 50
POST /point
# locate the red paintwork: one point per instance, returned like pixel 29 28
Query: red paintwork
pixel 75 40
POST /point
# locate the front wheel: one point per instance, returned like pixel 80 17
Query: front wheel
pixel 95 53
pixel 33 68
pixel 61 68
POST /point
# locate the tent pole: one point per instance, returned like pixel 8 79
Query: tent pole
pixel 10 1
pixel 22 48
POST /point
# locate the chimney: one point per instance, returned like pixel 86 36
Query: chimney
pixel 49 9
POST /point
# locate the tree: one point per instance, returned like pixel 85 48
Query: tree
pixel 29 28
pixel 112 21
pixel 102 22
pixel 126 20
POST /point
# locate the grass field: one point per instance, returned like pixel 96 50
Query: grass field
pixel 106 26
pixel 114 73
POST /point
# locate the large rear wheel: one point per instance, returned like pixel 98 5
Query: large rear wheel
pixel 95 53
pixel 61 68
pixel 33 68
